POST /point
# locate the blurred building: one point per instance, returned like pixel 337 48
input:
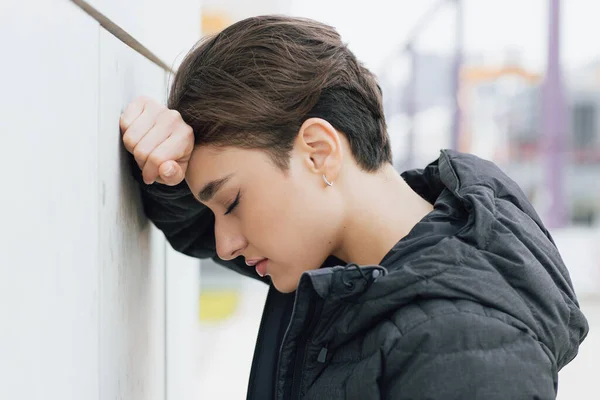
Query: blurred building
pixel 505 125
pixel 502 122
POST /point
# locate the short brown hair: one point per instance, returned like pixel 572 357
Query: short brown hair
pixel 255 83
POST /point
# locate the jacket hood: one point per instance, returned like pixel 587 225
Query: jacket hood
pixel 483 242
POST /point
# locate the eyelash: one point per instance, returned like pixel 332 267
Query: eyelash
pixel 234 204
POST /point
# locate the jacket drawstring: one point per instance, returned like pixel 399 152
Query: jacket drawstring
pixel 322 355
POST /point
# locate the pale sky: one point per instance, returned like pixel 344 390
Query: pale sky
pixel 375 28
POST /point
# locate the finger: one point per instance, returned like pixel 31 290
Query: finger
pixel 142 125
pixel 170 173
pixel 149 142
pixel 136 132
pixel 172 149
pixel 133 110
pixel 166 121
pixel 140 128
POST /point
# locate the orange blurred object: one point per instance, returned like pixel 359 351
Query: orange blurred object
pixel 214 21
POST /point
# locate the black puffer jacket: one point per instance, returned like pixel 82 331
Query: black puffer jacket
pixel 475 303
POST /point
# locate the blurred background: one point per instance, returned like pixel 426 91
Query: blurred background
pixel 94 304
pixel 513 81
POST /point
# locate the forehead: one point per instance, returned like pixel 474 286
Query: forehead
pixel 209 163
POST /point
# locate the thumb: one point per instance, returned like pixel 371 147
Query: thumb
pixel 171 173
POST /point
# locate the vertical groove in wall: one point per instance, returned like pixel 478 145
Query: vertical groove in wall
pixel 166 264
pixel 99 195
pixel 166 286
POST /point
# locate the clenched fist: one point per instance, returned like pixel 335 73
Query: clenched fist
pixel 159 139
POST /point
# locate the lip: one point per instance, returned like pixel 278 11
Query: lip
pixel 261 267
pixel 254 261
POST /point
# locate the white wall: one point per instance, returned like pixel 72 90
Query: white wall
pixel 93 304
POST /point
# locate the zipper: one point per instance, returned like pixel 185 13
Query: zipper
pixel 300 356
pixel 298 364
pixel 287 330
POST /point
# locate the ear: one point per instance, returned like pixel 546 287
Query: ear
pixel 320 147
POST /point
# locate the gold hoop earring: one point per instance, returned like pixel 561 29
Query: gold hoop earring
pixel 326 181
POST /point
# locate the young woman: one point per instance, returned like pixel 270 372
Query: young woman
pixel 441 283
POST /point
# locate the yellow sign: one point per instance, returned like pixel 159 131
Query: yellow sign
pixel 217 304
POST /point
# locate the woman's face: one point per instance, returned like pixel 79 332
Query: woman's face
pixel 291 218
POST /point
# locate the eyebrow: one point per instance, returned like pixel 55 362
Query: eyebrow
pixel 211 188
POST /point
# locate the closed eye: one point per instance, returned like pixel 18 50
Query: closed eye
pixel 234 204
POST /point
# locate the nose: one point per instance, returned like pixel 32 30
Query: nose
pixel 229 241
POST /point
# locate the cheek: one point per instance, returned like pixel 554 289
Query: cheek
pixel 271 214
pixel 289 222
pixel 291 226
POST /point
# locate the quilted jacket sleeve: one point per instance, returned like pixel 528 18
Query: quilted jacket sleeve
pixel 467 356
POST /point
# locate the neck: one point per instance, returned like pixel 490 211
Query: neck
pixel 381 212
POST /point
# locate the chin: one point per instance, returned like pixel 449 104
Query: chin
pixel 284 285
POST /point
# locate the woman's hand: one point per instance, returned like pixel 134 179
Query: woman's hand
pixel 159 139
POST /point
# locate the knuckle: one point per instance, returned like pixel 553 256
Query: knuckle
pixel 154 107
pixel 155 159
pixel 185 134
pixel 128 142
pixel 171 116
pixel 174 114
pixel 187 131
pixel 140 154
pixel 126 118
